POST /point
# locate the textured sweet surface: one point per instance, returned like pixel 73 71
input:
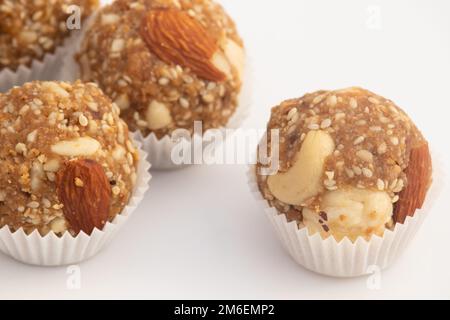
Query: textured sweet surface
pixel 49 130
pixel 31 28
pixel 371 142
pixel 166 63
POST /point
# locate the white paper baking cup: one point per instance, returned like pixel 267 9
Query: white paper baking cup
pixel 46 69
pixel 52 250
pixel 160 150
pixel 345 258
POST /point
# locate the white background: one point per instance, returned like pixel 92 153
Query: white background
pixel 199 234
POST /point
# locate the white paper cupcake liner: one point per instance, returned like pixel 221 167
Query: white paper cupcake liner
pixel 345 258
pixel 160 150
pixel 52 250
pixel 46 69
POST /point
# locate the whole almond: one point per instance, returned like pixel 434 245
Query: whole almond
pixel 85 192
pixel 176 37
pixel 418 176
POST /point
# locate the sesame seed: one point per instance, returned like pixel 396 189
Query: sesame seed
pixel 51 176
pixel 130 158
pixel 365 155
pixel 46 203
pixel 332 101
pixel 93 106
pixel 384 120
pixel 290 130
pixel 110 119
pixel 126 168
pixel 211 86
pixel 380 184
pixel 117 45
pixel 130 146
pixel 208 98
pixel 395 141
pixel 382 148
pixel 349 173
pixel 395 199
pixel 79 183
pixel 184 103
pixel 359 140
pixel 33 205
pixel 21 148
pixel 295 118
pixel 303 136
pixel 353 103
pixel 330 175
pixel 188 79
pixel 142 123
pixel 374 100
pixel 115 190
pixel 291 113
pixel 31 137
pixel 329 183
pixel 375 129
pixel 361 122
pixel 318 99
pixel 325 124
pixel 399 186
pixel 357 170
pixel 393 109
pixel 38 102
pixel 122 83
pixel 163 81
pixel 313 126
pixel 339 116
pixel 393 184
pixel 367 173
pixel 127 79
pixel 83 120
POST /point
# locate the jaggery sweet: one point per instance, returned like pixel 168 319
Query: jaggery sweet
pixel 165 63
pixel 351 164
pixel 66 160
pixel 31 28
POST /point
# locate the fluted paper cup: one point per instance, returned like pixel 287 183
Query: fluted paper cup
pixel 52 250
pixel 345 258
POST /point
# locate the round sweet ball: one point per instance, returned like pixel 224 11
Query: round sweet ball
pixel 351 164
pixel 31 28
pixel 66 160
pixel 166 63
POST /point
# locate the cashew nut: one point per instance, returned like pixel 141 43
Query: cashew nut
pixel 304 179
pixel 158 115
pixel 351 212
